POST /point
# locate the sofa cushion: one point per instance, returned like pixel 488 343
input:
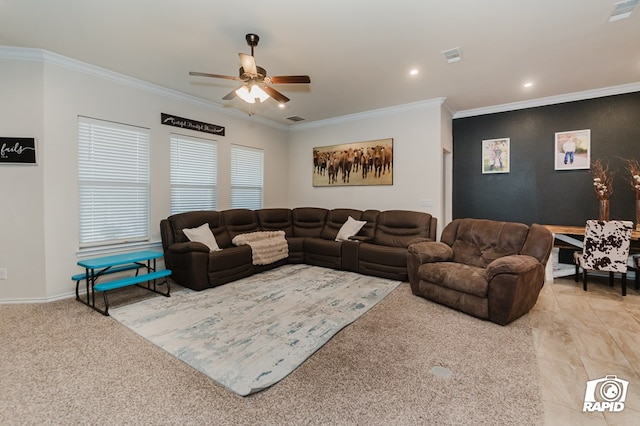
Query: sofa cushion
pixel 350 228
pixel 240 221
pixel 308 221
pixel 230 258
pixel 382 261
pixel 456 276
pixel 321 252
pixel 399 228
pixel 369 229
pixel 383 255
pixel 478 242
pixel 336 218
pixel 202 234
pixel 278 219
pixel 196 218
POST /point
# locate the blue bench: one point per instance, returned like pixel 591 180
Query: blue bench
pixel 124 282
pixel 135 280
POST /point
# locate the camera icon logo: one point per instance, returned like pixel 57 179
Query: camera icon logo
pixel 605 394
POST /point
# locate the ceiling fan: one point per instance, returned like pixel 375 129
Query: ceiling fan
pixel 256 83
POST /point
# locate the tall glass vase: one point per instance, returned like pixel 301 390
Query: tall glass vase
pixel 637 211
pixel 604 210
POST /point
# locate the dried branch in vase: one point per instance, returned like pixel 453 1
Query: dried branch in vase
pixel 634 170
pixel 602 179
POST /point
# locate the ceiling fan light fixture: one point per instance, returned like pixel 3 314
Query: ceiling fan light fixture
pixel 250 95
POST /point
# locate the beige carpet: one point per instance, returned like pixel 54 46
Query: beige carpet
pixel 406 361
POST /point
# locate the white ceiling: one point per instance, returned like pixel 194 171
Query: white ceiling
pixel 357 52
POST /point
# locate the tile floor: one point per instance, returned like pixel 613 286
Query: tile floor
pixel 583 336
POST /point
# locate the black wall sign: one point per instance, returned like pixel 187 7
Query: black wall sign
pixel 185 123
pixel 18 150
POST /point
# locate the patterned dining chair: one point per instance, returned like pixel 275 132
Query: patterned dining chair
pixel 636 268
pixel 606 248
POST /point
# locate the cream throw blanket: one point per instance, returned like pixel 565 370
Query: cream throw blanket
pixel 266 246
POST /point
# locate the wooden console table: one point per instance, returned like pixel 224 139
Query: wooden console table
pixel 579 230
pixel 565 235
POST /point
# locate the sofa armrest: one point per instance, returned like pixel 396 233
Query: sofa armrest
pixel 514 285
pixel 514 264
pixel 189 264
pixel 188 247
pixel 431 251
pixel 418 240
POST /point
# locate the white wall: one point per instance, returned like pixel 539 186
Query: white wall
pixel 21 186
pixel 418 138
pixel 39 218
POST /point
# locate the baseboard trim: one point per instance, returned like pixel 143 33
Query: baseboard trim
pixel 39 299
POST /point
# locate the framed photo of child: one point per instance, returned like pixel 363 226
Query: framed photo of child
pixel 496 156
pixel 572 150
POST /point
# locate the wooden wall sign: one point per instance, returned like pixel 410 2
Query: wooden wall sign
pixel 17 150
pixel 185 123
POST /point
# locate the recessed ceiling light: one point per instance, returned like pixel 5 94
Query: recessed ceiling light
pixel 528 84
pixel 414 72
pixel 281 105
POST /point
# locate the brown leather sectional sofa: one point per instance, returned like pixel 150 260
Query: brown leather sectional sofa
pixel 379 248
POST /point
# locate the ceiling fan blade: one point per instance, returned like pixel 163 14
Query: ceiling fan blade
pixel 275 94
pixel 205 74
pixel 230 95
pixel 290 79
pixel 248 64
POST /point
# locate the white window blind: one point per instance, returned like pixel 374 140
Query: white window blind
pixel 113 182
pixel 193 174
pixel 246 177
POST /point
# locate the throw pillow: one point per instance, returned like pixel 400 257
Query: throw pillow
pixel 202 234
pixel 350 228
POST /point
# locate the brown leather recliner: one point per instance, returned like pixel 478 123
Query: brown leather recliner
pixel 489 269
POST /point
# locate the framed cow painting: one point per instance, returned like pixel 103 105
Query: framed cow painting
pixel 354 164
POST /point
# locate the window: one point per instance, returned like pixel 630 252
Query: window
pixel 193 174
pixel 246 177
pixel 113 182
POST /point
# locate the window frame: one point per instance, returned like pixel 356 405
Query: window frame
pixel 108 194
pixel 244 181
pixel 200 176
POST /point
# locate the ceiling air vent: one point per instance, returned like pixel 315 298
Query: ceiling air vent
pixel 452 55
pixel 295 118
pixel 623 9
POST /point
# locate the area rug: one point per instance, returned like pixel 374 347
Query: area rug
pixel 250 334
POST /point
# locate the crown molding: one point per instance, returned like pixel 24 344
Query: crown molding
pixel 21 54
pixel 47 57
pixel 551 100
pixel 436 102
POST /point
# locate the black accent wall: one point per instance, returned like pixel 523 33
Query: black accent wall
pixel 533 192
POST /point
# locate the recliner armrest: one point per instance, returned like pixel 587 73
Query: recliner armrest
pixel 418 240
pixel 187 247
pixel 431 251
pixel 513 264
